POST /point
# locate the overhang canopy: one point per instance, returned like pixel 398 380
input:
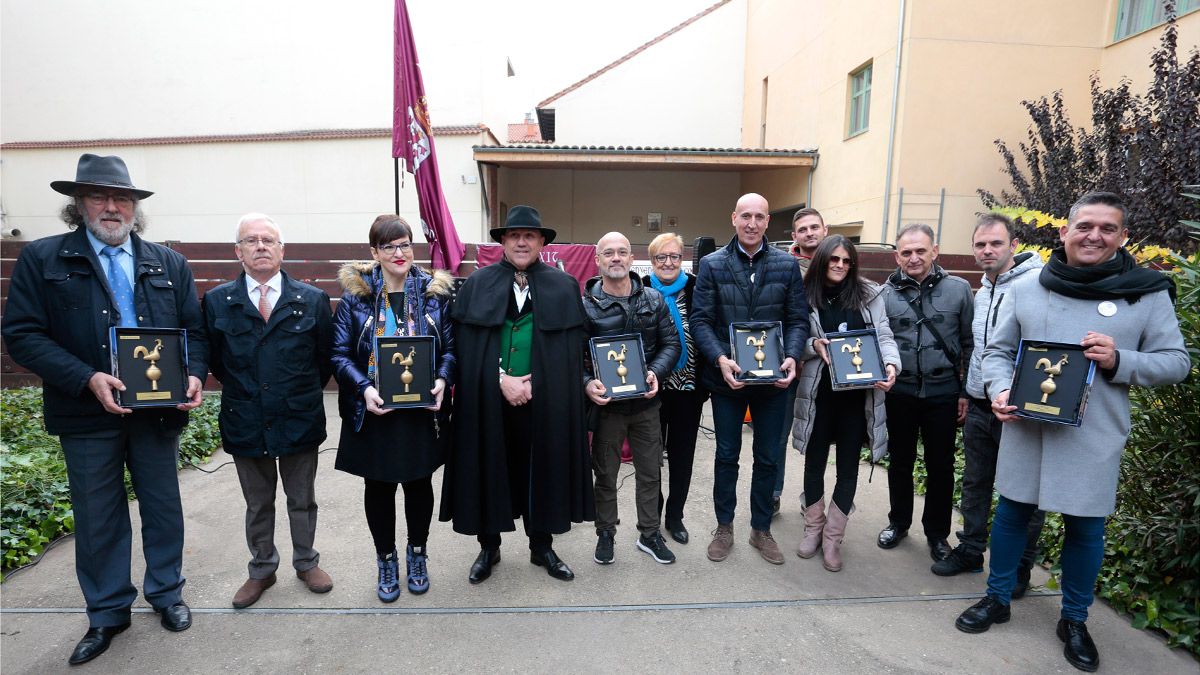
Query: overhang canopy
pixel 648 158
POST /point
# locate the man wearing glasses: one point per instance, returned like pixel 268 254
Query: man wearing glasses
pixel 67 290
pixel 616 303
pixel 269 341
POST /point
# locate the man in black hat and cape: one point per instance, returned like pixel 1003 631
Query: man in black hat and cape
pixel 67 290
pixel 520 338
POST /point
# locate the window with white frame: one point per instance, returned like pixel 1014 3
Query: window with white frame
pixel 860 101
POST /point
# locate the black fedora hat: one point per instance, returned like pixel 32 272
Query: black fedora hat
pixel 95 171
pixel 523 217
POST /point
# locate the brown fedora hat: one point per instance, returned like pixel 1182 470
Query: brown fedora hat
pixel 95 171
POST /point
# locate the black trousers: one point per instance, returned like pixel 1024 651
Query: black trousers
pixel 379 501
pixel 935 421
pixel 518 441
pixel 679 416
pixel 838 418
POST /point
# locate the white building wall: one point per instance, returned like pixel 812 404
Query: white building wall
pixel 318 190
pixel 684 91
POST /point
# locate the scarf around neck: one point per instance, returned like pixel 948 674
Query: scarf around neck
pixel 671 294
pixel 1118 278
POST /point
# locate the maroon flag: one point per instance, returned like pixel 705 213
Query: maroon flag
pixel 412 141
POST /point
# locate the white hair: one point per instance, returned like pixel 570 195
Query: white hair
pixel 254 218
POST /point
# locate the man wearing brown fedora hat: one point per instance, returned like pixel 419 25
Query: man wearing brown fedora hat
pixel 67 290
pixel 528 318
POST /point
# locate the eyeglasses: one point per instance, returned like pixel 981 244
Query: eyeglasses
pixel 253 242
pixel 664 257
pixel 101 198
pixel 839 260
pixel 389 249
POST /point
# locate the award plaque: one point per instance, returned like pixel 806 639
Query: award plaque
pixel 152 364
pixel 404 373
pixel 620 364
pixel 1051 382
pixel 757 347
pixel 855 360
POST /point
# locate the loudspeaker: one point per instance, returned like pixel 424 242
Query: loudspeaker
pixel 702 247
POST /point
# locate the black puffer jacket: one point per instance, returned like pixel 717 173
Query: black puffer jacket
pixel 725 293
pixel 648 316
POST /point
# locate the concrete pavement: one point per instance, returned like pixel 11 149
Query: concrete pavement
pixel 884 612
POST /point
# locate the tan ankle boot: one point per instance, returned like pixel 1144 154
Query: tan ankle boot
pixel 814 523
pixel 831 538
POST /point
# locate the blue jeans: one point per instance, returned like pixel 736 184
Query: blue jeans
pixel 1083 552
pixel 768 405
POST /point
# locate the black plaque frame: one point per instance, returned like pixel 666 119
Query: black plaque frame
pixel 1066 404
pixel 605 369
pixel 390 352
pixel 843 375
pixel 169 388
pixel 743 353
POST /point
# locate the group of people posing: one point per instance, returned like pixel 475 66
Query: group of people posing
pixel 524 428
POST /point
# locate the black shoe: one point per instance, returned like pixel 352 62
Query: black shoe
pixel 177 617
pixel 678 532
pixel 939 549
pixel 774 507
pixel 980 616
pixel 960 560
pixel 604 548
pixel 94 643
pixel 891 535
pixel 656 547
pixel 554 565
pixel 1022 583
pixel 1079 648
pixel 481 569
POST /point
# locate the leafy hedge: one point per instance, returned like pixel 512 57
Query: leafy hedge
pixel 35 500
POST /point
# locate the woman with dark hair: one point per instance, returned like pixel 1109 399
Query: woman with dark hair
pixel 392 296
pixel 682 394
pixel 840 300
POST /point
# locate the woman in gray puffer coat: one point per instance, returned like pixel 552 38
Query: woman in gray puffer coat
pixel 840 300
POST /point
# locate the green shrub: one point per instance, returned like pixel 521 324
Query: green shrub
pixel 35 499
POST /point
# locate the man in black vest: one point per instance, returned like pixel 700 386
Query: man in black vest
pixel 67 290
pixel 519 329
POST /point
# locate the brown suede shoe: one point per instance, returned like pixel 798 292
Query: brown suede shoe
pixel 251 591
pixel 767 548
pixel 317 580
pixel 722 541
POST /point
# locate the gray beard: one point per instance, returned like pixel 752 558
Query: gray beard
pixel 107 236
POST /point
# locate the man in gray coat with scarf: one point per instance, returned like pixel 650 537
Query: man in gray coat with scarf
pixel 1094 294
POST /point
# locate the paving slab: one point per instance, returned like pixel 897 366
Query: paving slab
pixel 884 612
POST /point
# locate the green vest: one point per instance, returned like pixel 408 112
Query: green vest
pixel 516 344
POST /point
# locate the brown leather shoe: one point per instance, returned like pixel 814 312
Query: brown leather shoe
pixel 251 591
pixel 767 548
pixel 317 580
pixel 722 541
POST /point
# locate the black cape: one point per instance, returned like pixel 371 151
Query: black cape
pixel 475 485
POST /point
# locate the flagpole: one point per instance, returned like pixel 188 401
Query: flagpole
pixel 396 181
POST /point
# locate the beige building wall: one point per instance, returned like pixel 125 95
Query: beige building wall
pixel 583 205
pixel 683 91
pixel 318 190
pixel 964 71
